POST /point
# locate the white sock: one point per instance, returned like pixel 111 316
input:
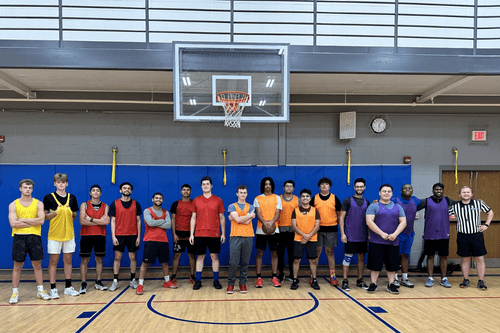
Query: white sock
pixel 40 288
pixel 166 278
pixel 15 290
pixel 405 276
pixel 141 282
pixel 430 277
pixel 396 276
pixel 115 280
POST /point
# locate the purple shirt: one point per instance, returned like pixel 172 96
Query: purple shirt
pixel 355 222
pixel 410 209
pixel 437 220
pixel 387 219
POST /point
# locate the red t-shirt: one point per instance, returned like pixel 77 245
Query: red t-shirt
pixel 95 230
pixel 207 216
pixel 183 215
pixel 155 234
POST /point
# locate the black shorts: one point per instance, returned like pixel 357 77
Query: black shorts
pixel 261 242
pixel 126 241
pixel 310 248
pixel 355 247
pixel 379 254
pixel 153 250
pixel 27 244
pixel 98 243
pixel 441 246
pixel 470 245
pixel 183 243
pixel 201 244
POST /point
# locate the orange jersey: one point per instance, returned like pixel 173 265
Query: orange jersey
pixel 326 210
pixel 286 213
pixel 268 205
pixel 306 222
pixel 241 230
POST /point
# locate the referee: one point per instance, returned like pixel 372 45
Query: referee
pixel 470 240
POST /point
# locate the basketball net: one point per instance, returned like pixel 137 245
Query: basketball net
pixel 233 104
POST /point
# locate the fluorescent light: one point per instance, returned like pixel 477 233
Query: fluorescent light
pixel 280 52
pixel 262 102
pixel 269 83
pixel 192 101
pixel 186 80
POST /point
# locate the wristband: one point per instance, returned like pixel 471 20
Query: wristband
pixel 91 219
pixel 487 226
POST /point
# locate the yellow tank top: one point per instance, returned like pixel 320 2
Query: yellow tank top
pixel 61 226
pixel 241 230
pixel 29 212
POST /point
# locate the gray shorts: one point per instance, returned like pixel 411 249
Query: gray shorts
pixel 327 238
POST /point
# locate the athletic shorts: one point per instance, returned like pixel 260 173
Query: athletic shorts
pixel 126 242
pixel 27 244
pixel 405 242
pixel 55 247
pixel 309 247
pixel 356 247
pixel 470 245
pixel 201 244
pixel 183 243
pixel 441 246
pixel 153 250
pixel 379 254
pixel 261 242
pixel 98 243
pixel 327 238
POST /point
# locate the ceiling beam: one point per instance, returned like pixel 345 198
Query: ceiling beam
pixel 443 87
pixel 16 86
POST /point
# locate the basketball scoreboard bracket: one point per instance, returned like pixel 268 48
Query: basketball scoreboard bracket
pixel 232 83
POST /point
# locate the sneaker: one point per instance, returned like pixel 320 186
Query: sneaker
pixel 243 288
pixel 139 290
pixel 315 285
pixel 396 283
pixel 173 278
pixel 83 289
pixel 217 284
pixel 445 283
pixel 197 285
pixel 54 294
pixel 290 278
pixel 100 287
pixel 114 285
pixel 258 282
pixel 345 285
pixel 361 283
pixel 310 280
pixel 71 291
pixel 333 281
pixel 480 285
pixel 295 285
pixel 191 280
pixel 15 298
pixel 275 282
pixel 281 277
pixel 392 288
pixel 465 283
pixel 133 284
pixel 230 289
pixel 430 282
pixel 169 284
pixel 407 283
pixel 43 295
pixel 372 288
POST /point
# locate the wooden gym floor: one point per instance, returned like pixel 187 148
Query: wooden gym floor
pixel 269 309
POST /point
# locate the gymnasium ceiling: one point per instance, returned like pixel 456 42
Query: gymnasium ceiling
pixel 151 91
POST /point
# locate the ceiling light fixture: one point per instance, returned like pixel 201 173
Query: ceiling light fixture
pixel 269 83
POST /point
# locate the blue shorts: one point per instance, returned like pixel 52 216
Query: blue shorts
pixel 405 242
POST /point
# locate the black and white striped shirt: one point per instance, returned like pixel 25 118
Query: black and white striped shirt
pixel 469 215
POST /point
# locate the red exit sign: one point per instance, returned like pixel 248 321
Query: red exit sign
pixel 478 135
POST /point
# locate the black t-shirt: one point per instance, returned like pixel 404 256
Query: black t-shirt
pixel 50 204
pixel 126 204
pixel 346 205
pixel 173 208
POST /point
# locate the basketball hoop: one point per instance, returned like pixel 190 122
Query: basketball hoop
pixel 233 104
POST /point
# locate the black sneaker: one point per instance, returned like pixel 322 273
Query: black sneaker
pixel 281 277
pixel 392 288
pixel 345 285
pixel 361 283
pixel 372 288
pixel 465 283
pixel 480 285
pixel 315 285
pixel 295 284
pixel 197 285
pixel 217 284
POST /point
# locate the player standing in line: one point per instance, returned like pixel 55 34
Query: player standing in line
pixel 26 217
pixel 157 221
pixel 60 208
pixel 94 218
pixel 125 215
pixel 181 211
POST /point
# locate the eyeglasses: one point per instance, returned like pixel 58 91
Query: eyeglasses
pixel 359 186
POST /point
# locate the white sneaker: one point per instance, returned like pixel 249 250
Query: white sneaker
pixel 71 291
pixel 100 287
pixel 114 285
pixel 83 290
pixel 43 295
pixel 133 284
pixel 54 294
pixel 14 298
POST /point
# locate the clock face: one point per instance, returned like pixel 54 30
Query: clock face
pixel 378 125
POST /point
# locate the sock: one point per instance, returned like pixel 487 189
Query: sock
pixel 15 290
pixel 405 276
pixel 198 276
pixel 430 277
pixel 259 276
pixel 115 276
pixel 274 275
pixel 166 278
pixel 332 272
pixel 98 282
pixel 40 288
pixel 52 286
pixel 67 283
pixel 193 277
pixel 132 276
pixel 175 275
pixel 84 284
pixel 216 276
pixel 396 276
pixel 314 280
pixel 141 282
